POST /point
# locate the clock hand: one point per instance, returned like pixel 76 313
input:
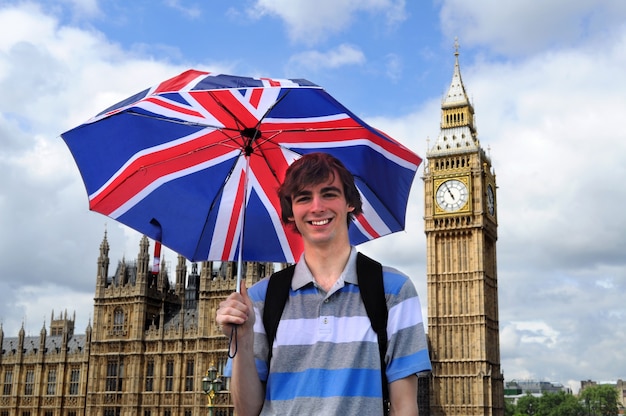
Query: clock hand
pixel 449 191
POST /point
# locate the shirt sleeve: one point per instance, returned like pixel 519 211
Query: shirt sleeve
pixel 407 347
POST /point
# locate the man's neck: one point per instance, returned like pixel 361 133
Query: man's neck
pixel 327 263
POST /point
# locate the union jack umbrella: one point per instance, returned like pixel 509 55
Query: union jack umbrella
pixel 177 161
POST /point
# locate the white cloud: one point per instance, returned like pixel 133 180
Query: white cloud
pixel 84 8
pixel 38 314
pixel 312 21
pixel 394 67
pixel 191 11
pixel 340 56
pixel 519 27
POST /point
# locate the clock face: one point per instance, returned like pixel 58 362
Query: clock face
pixel 490 200
pixel 452 195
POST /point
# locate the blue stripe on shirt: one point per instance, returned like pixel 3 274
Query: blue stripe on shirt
pixel 347 382
pixel 402 367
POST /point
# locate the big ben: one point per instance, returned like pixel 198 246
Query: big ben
pixel 461 233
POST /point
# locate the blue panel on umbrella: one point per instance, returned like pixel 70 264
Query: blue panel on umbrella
pixel 182 208
pixel 112 142
pixel 260 239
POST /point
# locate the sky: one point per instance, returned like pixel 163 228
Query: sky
pixel 546 80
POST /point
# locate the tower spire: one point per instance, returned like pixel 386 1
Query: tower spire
pixel 458 132
pixel 456 95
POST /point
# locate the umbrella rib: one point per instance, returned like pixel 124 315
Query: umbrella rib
pixel 227 110
pixel 221 129
pixel 175 121
pixel 276 133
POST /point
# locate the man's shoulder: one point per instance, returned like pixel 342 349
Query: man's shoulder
pixel 396 282
pixel 258 290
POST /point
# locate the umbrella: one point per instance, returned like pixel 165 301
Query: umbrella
pixel 195 163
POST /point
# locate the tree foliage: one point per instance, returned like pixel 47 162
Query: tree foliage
pixel 527 406
pixel 600 400
pixel 550 404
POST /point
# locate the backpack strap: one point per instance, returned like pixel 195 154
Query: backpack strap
pixel 275 300
pixel 370 277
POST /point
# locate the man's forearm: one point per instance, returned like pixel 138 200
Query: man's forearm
pixel 247 390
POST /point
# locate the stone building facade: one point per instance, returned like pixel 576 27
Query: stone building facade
pixel 150 345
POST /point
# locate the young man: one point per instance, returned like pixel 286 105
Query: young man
pixel 325 358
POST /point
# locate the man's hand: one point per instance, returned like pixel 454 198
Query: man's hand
pixel 236 310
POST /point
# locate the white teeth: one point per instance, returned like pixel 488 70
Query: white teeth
pixel 321 222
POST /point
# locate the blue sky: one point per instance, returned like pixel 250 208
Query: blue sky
pixel 545 79
pixel 369 52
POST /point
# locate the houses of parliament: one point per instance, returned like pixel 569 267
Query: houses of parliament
pixel 154 349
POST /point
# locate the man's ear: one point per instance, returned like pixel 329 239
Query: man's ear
pixel 350 208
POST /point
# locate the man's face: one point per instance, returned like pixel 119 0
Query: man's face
pixel 320 213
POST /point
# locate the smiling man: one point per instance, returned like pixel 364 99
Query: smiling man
pixel 324 356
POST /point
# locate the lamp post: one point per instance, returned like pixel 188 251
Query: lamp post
pixel 211 385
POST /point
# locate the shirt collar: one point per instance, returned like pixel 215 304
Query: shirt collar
pixel 302 275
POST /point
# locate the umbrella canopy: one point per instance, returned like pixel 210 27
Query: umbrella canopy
pixel 181 161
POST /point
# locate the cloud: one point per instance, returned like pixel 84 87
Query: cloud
pixel 84 8
pixel 312 21
pixel 340 56
pixel 191 11
pixel 393 67
pixel 522 28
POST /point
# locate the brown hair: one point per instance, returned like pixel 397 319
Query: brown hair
pixel 313 169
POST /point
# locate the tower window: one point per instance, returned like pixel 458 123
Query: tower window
pixel 189 376
pixel 115 375
pixel 149 375
pixel 30 382
pixel 52 381
pixel 118 320
pixel 74 380
pixel 169 375
pixel 8 383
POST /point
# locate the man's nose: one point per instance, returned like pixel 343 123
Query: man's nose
pixel 317 203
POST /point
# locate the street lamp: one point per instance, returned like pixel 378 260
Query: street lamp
pixel 211 385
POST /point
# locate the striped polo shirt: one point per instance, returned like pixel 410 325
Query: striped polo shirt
pixel 325 357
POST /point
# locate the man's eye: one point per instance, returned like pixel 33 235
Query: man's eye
pixel 301 199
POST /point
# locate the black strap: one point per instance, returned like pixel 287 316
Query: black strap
pixel 370 277
pixel 275 300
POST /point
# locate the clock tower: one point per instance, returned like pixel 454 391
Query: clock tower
pixel 461 233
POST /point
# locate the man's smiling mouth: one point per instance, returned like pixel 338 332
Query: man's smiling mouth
pixel 320 222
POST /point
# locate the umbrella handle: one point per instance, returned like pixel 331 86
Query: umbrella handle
pixel 233 337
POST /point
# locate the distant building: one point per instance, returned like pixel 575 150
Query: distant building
pixel 619 385
pixel 515 389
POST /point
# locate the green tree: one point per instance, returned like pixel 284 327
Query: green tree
pixel 527 406
pixel 560 404
pixel 600 400
pixel 509 407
